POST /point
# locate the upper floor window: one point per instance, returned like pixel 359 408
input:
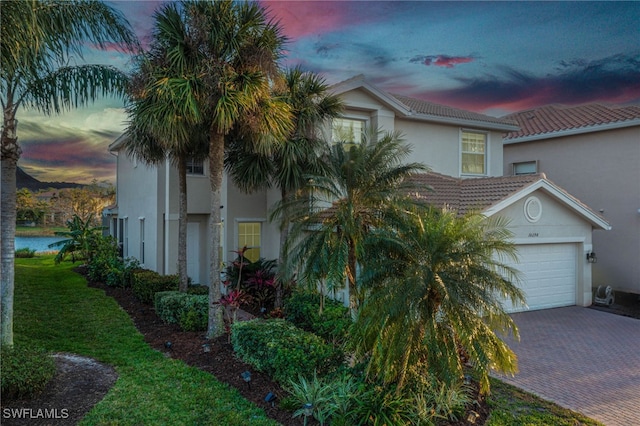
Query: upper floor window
pixel 347 131
pixel 525 168
pixel 474 153
pixel 195 167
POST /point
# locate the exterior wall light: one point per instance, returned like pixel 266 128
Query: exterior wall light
pixel 591 257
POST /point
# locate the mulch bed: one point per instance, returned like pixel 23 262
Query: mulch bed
pixel 81 383
pixel 221 360
pixel 188 347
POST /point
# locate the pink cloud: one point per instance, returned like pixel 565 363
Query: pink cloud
pixel 71 160
pixel 303 18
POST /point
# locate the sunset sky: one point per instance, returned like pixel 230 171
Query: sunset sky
pixel 488 57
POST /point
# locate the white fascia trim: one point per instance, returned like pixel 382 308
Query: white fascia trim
pixel 476 124
pixel 358 82
pixel 559 195
pixel 117 144
pixel 564 240
pixel 571 132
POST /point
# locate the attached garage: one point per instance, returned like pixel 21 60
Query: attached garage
pixel 551 229
pixel 548 275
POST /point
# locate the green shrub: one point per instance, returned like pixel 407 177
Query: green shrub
pixel 190 311
pixel 147 283
pixel 282 350
pixel 383 406
pixel 198 289
pixel 335 400
pixel 25 252
pixel 303 309
pixel 131 266
pixel 194 319
pixel 440 401
pixel 25 371
pixel 167 304
pixel 104 264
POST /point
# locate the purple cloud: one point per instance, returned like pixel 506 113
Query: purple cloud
pixel 445 61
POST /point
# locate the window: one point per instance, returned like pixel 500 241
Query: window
pixel 195 167
pixel 474 150
pixel 142 240
pixel 123 236
pixel 249 235
pixel 525 168
pixel 347 131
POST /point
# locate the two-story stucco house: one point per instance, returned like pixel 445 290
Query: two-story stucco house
pixel 552 229
pixel 593 151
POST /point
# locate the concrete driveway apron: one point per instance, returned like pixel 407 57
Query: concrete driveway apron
pixel 582 359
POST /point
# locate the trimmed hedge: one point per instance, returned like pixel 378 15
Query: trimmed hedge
pixel 282 350
pixel 147 283
pixel 24 371
pixel 190 311
pixel 303 307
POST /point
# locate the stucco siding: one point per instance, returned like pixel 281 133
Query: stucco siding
pixel 557 225
pixel 602 170
pixel 137 201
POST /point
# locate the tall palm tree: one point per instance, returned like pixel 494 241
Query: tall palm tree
pixel 179 140
pixel 289 163
pixel 37 39
pixel 227 72
pixel 437 292
pixel 349 207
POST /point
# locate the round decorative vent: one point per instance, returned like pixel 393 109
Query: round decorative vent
pixel 533 209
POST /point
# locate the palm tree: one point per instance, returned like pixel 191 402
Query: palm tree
pixel 180 142
pixel 228 69
pixel 37 40
pixel 349 208
pixel 436 293
pixel 289 163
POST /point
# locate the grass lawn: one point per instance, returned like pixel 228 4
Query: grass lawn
pixel 55 309
pixel 511 406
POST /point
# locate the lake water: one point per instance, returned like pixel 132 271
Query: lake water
pixel 39 244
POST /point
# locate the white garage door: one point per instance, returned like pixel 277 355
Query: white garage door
pixel 548 276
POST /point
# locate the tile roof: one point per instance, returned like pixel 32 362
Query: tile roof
pixel 423 110
pixel 429 108
pixel 464 195
pixel 557 118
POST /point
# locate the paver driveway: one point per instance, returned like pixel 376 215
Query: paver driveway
pixel 582 359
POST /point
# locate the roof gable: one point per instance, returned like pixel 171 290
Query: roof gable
pixel 417 109
pixel 492 194
pixel 561 120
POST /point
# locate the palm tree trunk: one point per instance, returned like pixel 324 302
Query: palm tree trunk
pixel 354 299
pixel 9 161
pixel 182 227
pixel 216 166
pixel 284 234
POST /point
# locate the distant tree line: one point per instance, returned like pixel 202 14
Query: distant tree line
pixel 54 207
